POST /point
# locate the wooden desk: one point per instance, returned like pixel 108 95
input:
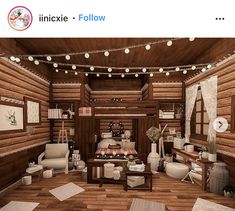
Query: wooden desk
pixel 193 157
pixel 147 174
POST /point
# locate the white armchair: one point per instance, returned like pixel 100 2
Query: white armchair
pixel 55 156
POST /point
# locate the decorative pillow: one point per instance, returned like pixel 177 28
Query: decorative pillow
pixel 130 145
pixel 53 153
pixel 106 142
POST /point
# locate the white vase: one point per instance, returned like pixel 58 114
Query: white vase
pixel 212 157
pixel 153 157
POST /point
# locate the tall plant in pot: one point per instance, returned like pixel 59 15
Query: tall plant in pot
pixel 212 149
pixel 154 135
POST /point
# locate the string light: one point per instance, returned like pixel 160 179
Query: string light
pixel 86 74
pixel 12 58
pixel 76 73
pixel 30 58
pixel 136 75
pixel 167 73
pixel 55 65
pixel 67 57
pixel 203 70
pixel 98 75
pixel 169 43
pixel 17 60
pixel 127 50
pixel 177 69
pixel 36 62
pixel 74 67
pixel 87 55
pixel 106 53
pixel 127 70
pixel 191 39
pixel 193 67
pixel 161 70
pixel 110 75
pixel 66 71
pixel 92 68
pixel 144 70
pixel 185 72
pixel 209 66
pixel 109 70
pixel 57 70
pixel 48 58
pixel 147 47
pixel 122 75
pixel 151 74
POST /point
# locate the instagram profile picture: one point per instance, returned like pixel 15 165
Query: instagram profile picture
pixel 20 18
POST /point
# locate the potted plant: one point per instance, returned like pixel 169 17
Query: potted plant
pixel 212 148
pixel 154 135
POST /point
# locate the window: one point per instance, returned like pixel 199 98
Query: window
pixel 233 115
pixel 199 120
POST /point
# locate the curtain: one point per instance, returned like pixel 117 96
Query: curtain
pixel 209 95
pixel 191 95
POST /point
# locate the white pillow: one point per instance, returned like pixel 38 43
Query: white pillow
pixel 106 142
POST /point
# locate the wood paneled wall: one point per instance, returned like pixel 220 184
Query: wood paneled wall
pixel 167 90
pixel 226 89
pixel 17 82
pixel 87 95
pixel 66 91
pixel 106 96
pixel 145 92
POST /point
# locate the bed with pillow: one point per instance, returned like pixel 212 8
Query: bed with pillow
pixel 109 146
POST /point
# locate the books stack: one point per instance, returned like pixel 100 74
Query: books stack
pixel 55 113
pixel 166 114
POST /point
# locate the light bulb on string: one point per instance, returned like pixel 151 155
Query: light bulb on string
pixel 12 58
pixel 110 75
pixel 76 73
pixel 55 65
pixel 161 70
pixel 169 43
pixel 136 75
pixel 147 47
pixel 185 72
pixel 66 71
pixel 92 68
pixel 30 58
pixel 36 62
pixel 17 60
pixel 106 53
pixel 57 70
pixel 98 75
pixel 86 74
pixel 209 66
pixel 177 69
pixel 191 39
pixel 193 67
pixel 49 58
pixel 127 50
pixel 203 69
pixel 109 69
pixel 87 55
pixel 67 57
pixel 144 70
pixel 74 67
pixel 122 75
pixel 167 73
pixel 151 74
pixel 127 70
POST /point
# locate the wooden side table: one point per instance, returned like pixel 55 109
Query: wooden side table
pixel 147 174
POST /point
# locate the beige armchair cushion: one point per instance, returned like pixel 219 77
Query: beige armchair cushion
pixel 56 150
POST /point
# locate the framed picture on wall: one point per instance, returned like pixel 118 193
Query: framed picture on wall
pixel 32 111
pixel 11 117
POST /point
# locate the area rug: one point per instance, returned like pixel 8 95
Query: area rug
pixel 66 191
pixel 205 205
pixel 141 204
pixel 19 206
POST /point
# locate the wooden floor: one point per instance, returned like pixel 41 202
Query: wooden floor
pixel 175 194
